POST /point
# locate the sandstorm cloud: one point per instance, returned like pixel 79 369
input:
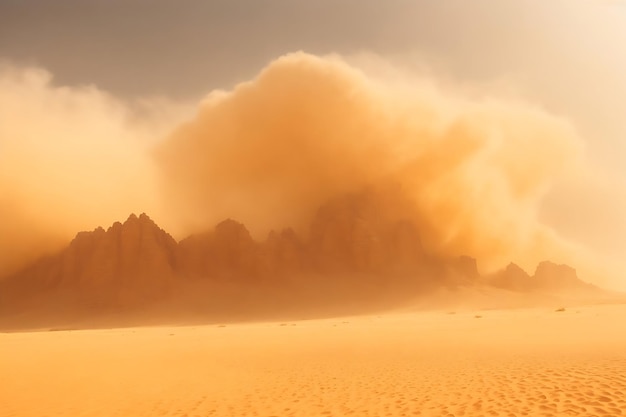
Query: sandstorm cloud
pixel 70 159
pixel 471 173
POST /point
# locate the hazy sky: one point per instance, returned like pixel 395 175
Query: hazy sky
pixel 568 56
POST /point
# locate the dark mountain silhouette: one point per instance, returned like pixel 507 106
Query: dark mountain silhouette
pixel 128 263
pixel 352 254
pixel 226 253
pixel 548 278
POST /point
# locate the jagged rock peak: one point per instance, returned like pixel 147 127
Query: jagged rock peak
pixel 232 229
pixel 97 231
pixel 132 228
pixel 143 221
pixel 468 266
pixel 230 223
pixel 115 226
pixel 552 274
pixel 143 218
pixel 513 268
pixel 549 267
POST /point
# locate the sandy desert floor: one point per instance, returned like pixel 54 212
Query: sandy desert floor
pixel 527 362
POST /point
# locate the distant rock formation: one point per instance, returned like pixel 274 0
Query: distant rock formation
pixel 548 278
pixel 124 264
pixel 553 277
pixel 283 254
pixel 346 236
pixel 226 253
pixel 350 251
pixel 513 278
pixel 349 234
pixel 462 271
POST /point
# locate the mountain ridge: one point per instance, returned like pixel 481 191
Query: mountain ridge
pixel 350 256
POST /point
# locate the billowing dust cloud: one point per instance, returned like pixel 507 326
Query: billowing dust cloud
pixel 70 159
pixel 307 129
pixel 470 173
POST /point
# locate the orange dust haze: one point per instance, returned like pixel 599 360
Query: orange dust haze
pixel 71 159
pixel 471 173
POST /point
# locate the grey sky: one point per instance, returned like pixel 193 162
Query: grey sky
pixel 563 53
pixel 177 47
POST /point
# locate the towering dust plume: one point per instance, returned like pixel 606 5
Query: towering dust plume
pixel 71 159
pixel 469 173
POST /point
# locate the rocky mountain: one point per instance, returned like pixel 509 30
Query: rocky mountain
pixel 548 278
pixel 351 234
pixel 226 253
pixel 127 263
pixel 350 251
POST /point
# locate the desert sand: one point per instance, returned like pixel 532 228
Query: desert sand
pixel 522 362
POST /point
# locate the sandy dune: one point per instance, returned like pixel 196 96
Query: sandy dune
pixel 534 362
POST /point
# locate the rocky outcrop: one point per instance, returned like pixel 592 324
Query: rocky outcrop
pixel 461 271
pixel 353 249
pixel 513 278
pixel 128 262
pixel 136 253
pixel 226 253
pixel 350 234
pixel 548 278
pixel 284 254
pixel 554 277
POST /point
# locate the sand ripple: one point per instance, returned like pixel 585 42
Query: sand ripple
pixel 360 367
